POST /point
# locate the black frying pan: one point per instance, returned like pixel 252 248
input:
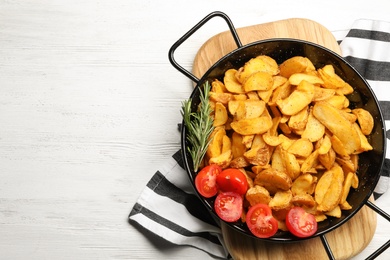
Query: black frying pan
pixel 370 163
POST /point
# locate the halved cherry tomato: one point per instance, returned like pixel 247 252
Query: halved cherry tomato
pixel 205 181
pixel 300 223
pixel 228 206
pixel 260 221
pixel 232 180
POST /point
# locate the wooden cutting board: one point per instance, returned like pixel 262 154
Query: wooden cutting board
pixel 346 241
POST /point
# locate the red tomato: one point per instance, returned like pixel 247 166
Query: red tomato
pixel 205 181
pixel 228 206
pixel 260 221
pixel 232 180
pixel 300 223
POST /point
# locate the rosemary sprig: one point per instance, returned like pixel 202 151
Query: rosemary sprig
pixel 199 125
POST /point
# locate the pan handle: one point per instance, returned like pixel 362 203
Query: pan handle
pixel 327 247
pixel 385 215
pixel 192 31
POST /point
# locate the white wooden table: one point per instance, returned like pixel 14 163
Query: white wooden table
pixel 89 106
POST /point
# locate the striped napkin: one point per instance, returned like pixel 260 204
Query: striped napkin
pixel 366 46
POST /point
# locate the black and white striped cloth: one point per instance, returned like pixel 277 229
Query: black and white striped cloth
pixel 168 206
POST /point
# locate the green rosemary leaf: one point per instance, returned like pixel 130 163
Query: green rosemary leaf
pixel 199 125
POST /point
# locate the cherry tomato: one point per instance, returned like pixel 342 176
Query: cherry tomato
pixel 232 180
pixel 300 223
pixel 228 206
pixel 260 221
pixel 205 181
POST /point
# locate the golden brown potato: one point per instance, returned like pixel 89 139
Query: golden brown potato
pixel 247 140
pixel 258 141
pixel 220 114
pixel 215 147
pixel 346 164
pixel 280 92
pixel 298 100
pixel 338 146
pixel 258 156
pixel 222 144
pixel 236 108
pixel 321 93
pixel 304 184
pixel 364 144
pixel 239 162
pixel 265 95
pixel 226 144
pixel 299 120
pixel 238 147
pixel 291 164
pixel 355 161
pixel 320 217
pixel 257 194
pixel 251 126
pixel 271 136
pixel 328 159
pixel 331 118
pixel 254 108
pixel 345 90
pixel 274 178
pixel 335 212
pixel 223 160
pixel 314 129
pixel 348 115
pixel 259 63
pixel 259 153
pixel 324 144
pixel 271 140
pixel 246 109
pixel 241 97
pixel 231 82
pixel 322 186
pixel 330 78
pixel 286 141
pixel 281 200
pixel 355 181
pixel 277 162
pixel 297 64
pixel 260 80
pixel 218 87
pixel 345 206
pixel 365 119
pixel 346 187
pixel 278 80
pixel 252 95
pixel 338 102
pixel 329 189
pixel 310 162
pixel 224 98
pixel 297 78
pixel 303 200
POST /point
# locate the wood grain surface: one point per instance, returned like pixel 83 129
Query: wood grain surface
pixel 346 241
